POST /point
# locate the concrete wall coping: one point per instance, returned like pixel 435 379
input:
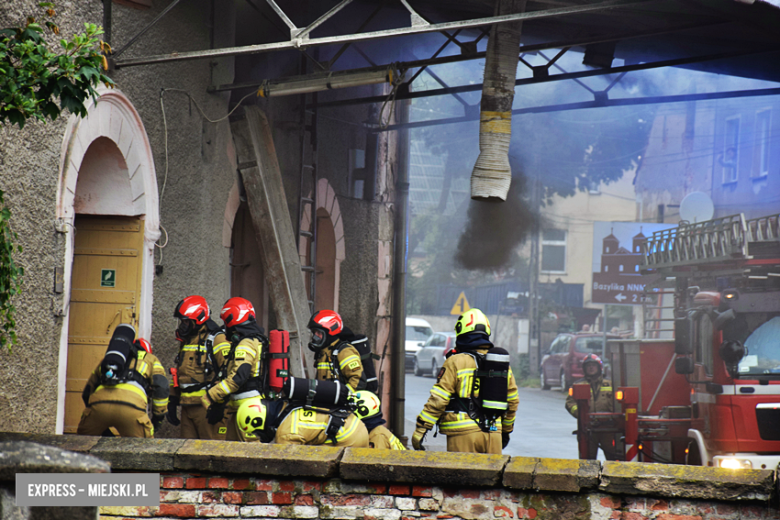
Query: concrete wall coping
pixel 433 468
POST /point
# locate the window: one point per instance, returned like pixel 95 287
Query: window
pixel 729 160
pixel 761 158
pixel 554 250
pixel 620 268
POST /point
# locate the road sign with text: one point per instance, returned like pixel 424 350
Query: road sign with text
pixel 617 260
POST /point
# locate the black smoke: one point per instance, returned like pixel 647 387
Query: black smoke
pixel 494 230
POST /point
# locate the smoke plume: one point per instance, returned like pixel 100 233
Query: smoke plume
pixel 494 230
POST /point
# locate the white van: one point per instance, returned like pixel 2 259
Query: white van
pixel 417 332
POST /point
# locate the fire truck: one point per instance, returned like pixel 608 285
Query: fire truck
pixel 703 385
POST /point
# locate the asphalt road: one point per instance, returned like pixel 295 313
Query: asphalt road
pixel 542 429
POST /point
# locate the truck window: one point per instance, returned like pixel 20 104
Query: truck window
pixel 589 345
pixel 705 344
pixel 762 347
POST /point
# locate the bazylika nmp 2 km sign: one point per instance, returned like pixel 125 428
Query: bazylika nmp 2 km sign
pixel 617 261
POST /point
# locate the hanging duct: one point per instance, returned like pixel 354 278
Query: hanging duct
pixel 492 175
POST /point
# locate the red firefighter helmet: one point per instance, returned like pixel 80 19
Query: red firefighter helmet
pixel 324 324
pixel 592 359
pixel 237 311
pixel 142 343
pixel 193 308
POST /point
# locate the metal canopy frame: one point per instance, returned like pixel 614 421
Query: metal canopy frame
pixel 300 38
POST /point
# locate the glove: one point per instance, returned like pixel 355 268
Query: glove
pixel 173 404
pixel 157 420
pixel 418 437
pixel 85 395
pixel 504 439
pixel 215 413
pixel 205 401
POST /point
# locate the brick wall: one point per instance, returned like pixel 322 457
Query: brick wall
pixel 220 480
pixel 192 495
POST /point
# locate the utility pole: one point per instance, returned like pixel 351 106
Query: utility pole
pixel 533 275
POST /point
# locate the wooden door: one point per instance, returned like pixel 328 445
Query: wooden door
pixel 105 291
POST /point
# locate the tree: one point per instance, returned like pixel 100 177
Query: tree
pixel 32 78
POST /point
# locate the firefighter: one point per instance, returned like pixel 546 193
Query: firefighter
pixel 600 401
pixel 455 392
pixel 334 358
pixel 121 404
pixel 288 423
pixel 203 348
pixel 369 409
pixel 243 369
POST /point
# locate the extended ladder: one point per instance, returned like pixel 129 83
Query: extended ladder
pixel 307 205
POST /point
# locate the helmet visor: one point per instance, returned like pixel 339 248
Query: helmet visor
pixel 318 337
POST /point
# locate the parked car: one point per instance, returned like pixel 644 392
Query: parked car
pixel 430 358
pixel 562 363
pixel 417 332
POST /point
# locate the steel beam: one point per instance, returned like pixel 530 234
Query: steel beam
pixel 282 15
pixel 304 34
pixel 558 77
pixel 375 35
pixel 435 60
pixel 651 100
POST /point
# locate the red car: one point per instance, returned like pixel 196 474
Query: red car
pixel 562 363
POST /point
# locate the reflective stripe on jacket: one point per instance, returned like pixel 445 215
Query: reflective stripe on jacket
pixel 191 372
pixel 350 367
pixel 131 392
pixel 600 400
pixel 457 378
pixel 303 426
pixel 248 354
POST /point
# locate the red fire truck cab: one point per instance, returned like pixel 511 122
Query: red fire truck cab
pixel 708 386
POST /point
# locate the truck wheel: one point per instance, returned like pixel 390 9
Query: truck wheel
pixel 564 383
pixel 692 455
pixel 543 381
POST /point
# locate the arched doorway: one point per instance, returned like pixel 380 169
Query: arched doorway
pixel 107 204
pixel 330 247
pixel 247 274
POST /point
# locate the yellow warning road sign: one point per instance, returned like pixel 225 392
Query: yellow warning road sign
pixel 461 305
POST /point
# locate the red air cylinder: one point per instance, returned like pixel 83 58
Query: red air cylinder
pixel 279 365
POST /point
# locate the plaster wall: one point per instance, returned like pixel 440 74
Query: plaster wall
pixel 29 166
pixel 193 194
pixel 613 202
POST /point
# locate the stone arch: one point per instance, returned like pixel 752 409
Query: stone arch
pixel 114 128
pixel 328 213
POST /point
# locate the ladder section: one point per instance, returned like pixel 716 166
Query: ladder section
pixel 307 203
pixel 658 313
pixel 712 241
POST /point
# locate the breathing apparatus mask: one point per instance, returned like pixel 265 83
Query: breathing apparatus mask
pixel 185 329
pixel 318 339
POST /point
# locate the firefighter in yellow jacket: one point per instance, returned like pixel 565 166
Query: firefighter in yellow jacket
pixel 474 408
pixel 600 401
pixel 369 409
pixel 203 348
pixel 118 390
pixel 335 359
pixel 286 423
pixel 243 371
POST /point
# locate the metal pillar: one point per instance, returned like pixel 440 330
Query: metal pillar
pixel 398 372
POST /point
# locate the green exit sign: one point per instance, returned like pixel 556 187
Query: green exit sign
pixel 108 278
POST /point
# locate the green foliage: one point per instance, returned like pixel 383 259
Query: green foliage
pixel 33 77
pixel 10 277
